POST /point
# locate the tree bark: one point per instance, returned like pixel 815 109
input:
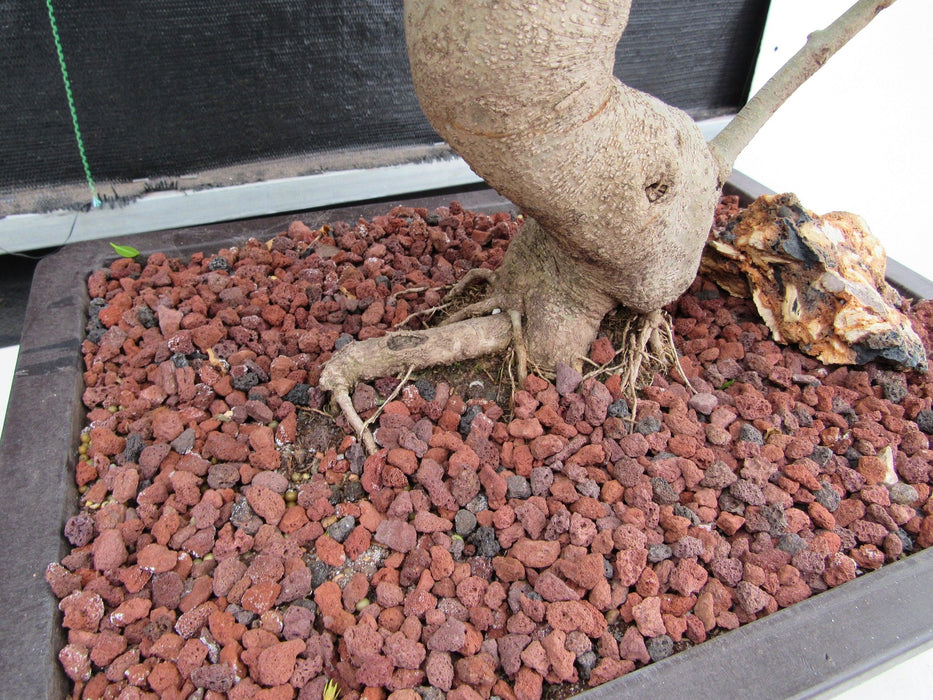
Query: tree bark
pixel 620 187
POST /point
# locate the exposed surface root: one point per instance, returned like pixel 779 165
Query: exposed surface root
pixel 396 352
pixel 429 312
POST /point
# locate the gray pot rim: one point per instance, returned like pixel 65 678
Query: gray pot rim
pixel 818 645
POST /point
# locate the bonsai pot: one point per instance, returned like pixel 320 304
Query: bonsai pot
pixel 818 644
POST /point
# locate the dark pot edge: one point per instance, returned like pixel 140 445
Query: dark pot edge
pixel 866 624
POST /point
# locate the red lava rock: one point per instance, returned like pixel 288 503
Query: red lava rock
pixel 166 424
pixel 872 469
pixel 330 551
pixel 396 534
pixel 498 610
pixel 375 672
pixel 839 569
pixel 218 678
pixel 129 611
pixel 225 448
pixel 545 446
pixel 629 563
pixel 525 428
pixel 536 554
pixel 632 646
pixel 534 656
pixel 261 597
pixel 403 652
pixel 476 670
pixel 363 641
pixel 191 622
pixel 450 636
pixel 157 558
pixel 551 588
pixel 109 550
pixel 428 522
pixel 585 571
pixel 528 684
pixel 647 616
pixel 276 663
pixel 560 659
pixel 418 602
pixel 601 351
pixel 820 516
pixel 688 577
pixel 62 581
pixel 108 646
pixel 609 669
pixel 925 535
pixel 105 442
pixel 83 610
pixel 75 661
pixel 751 597
pixel 267 504
pixel 571 615
pixel 440 670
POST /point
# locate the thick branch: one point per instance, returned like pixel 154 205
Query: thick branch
pixel 820 46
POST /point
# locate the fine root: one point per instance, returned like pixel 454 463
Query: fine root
pixel 413 290
pixel 361 427
pixel 647 345
pixel 483 307
pixel 429 312
pixel 475 276
pixel 342 399
pixel 518 342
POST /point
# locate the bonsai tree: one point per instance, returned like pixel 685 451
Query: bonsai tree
pixel 619 189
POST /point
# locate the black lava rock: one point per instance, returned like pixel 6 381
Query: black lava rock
pixel 298 395
pixel 464 522
pixel 467 418
pixel 648 425
pixel 749 433
pixel 147 317
pixel 924 421
pixel 660 647
pixel 341 529
pixel 619 409
pixel 425 389
pixel 484 539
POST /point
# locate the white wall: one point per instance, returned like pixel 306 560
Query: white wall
pixel 858 136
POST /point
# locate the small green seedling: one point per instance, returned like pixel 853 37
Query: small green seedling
pixel 331 690
pixel 125 251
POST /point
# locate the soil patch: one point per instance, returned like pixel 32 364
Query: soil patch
pixel 234 541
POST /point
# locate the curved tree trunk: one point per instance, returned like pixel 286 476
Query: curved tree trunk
pixel 620 186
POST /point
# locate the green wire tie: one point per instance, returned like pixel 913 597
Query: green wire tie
pixel 95 201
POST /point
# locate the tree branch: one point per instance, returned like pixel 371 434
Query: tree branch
pixel 820 46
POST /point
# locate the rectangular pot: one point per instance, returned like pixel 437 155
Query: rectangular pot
pixel 881 618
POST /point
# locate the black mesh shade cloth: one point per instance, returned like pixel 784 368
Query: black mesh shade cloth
pixel 167 88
